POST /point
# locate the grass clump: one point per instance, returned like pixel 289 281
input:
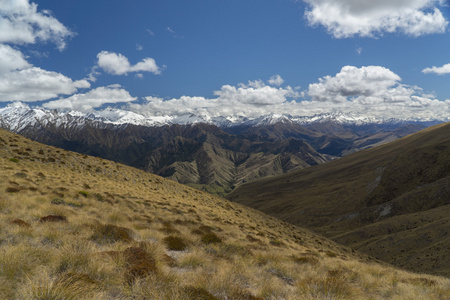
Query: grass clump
pixel 14 160
pixel 70 286
pixel 210 238
pixel 57 201
pixel 53 218
pixel 198 293
pixel 139 263
pixel 11 189
pixel 83 193
pixel 20 223
pixel 104 234
pixel 175 243
pixel 329 287
pixel 305 260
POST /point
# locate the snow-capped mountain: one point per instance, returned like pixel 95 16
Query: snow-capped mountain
pixel 16 116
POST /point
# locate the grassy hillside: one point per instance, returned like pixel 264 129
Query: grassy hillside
pixel 79 227
pixel 391 201
pixel 199 155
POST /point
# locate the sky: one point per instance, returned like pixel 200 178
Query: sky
pixel 384 58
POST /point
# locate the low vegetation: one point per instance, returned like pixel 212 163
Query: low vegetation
pixel 391 202
pixel 134 235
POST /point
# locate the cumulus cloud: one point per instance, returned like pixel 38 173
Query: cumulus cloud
pixel 118 64
pixel 252 100
pixel 369 18
pixel 11 59
pixel 445 69
pixel 22 23
pixel 372 91
pixel 276 80
pixel 365 82
pixel 93 99
pixel 375 91
pixel 34 84
pixel 21 81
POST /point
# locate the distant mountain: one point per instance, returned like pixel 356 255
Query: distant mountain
pixel 391 201
pixel 17 113
pixel 215 154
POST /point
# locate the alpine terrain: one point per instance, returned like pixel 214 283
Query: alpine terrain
pixel 391 201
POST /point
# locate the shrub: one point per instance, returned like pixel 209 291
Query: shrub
pixel 20 222
pixel 175 243
pixel 11 189
pixel 139 263
pixel 53 218
pixel 13 159
pixel 210 238
pixel 110 233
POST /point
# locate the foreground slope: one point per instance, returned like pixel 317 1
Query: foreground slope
pixel 391 201
pixel 79 227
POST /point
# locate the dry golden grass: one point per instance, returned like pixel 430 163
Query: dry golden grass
pixel 390 202
pixel 105 237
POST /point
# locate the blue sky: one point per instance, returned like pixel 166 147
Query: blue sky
pixel 228 57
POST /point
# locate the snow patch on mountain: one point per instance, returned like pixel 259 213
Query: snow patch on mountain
pixel 17 116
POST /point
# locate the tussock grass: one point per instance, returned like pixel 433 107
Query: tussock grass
pixel 124 242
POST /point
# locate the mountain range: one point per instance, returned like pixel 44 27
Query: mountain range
pixel 213 154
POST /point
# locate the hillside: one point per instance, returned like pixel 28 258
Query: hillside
pixel 215 157
pixel 200 155
pixel 79 227
pixel 391 201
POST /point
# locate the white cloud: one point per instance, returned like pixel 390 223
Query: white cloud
pixel 21 81
pixel 139 47
pixel 21 23
pixel 117 64
pixel 252 99
pixel 371 81
pixel 445 69
pixel 11 59
pixel 375 91
pixel 369 91
pixel 93 99
pixel 34 84
pixel 369 18
pixel 276 80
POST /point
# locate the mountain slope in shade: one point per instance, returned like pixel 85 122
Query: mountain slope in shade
pixel 201 155
pixel 80 227
pixel 390 201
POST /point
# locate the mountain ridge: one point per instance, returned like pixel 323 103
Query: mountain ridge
pixel 25 115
